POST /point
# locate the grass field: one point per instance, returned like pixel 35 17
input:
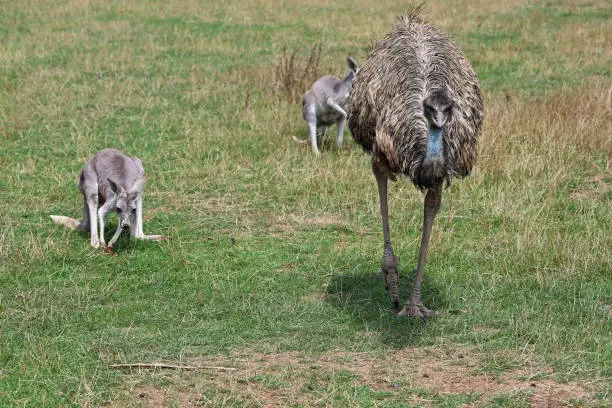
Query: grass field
pixel 271 270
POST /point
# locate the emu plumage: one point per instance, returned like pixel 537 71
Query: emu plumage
pixel 416 107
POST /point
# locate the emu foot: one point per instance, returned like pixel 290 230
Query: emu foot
pixel 390 278
pixel 416 309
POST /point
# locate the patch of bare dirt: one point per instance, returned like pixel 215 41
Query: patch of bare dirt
pixel 150 396
pixel 157 397
pixel 438 370
pixel 453 376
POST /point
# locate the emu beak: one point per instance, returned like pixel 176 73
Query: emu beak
pixel 440 119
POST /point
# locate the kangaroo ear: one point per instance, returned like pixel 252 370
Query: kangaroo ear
pixel 116 187
pixel 138 186
pixel 352 63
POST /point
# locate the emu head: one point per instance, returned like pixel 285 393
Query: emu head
pixel 438 109
pixel 125 204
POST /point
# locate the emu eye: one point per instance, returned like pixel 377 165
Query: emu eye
pixel 118 210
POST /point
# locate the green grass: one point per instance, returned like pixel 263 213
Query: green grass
pixel 274 251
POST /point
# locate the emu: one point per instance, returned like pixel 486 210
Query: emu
pixel 325 103
pixel 416 107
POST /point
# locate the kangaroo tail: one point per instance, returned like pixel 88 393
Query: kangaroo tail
pixel 300 141
pixel 66 222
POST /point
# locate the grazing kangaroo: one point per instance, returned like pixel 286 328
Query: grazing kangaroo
pixel 110 181
pixel 325 103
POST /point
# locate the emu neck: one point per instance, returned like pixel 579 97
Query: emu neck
pixel 434 142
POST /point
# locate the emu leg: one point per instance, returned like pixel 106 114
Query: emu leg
pixel 389 260
pixel 414 306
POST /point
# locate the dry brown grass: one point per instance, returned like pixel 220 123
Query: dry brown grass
pixel 543 138
pixel 294 74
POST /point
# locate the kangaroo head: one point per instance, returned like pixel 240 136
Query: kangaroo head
pixel 125 204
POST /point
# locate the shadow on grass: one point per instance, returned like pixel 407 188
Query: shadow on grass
pixel 364 297
pixel 125 243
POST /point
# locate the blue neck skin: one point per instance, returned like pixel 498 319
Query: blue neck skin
pixel 434 143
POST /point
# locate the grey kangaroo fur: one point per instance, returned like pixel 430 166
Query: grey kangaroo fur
pixel 110 181
pixel 325 103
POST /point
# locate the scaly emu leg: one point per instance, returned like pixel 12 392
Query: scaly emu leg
pixel 414 306
pixel 389 260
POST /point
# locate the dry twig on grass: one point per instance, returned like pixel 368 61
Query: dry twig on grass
pixel 170 366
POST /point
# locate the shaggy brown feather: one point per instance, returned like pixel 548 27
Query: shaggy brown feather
pixel 386 115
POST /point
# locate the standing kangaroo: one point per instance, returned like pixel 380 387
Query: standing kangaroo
pixel 110 181
pixel 325 103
